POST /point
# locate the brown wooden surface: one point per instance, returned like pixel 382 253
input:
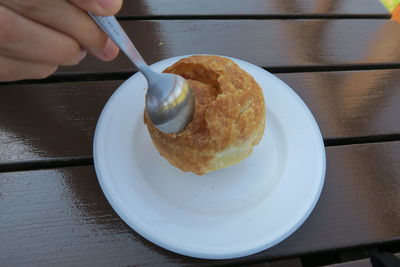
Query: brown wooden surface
pixel 296 262
pixel 60 216
pixel 58 120
pixel 357 263
pixel 55 215
pixel 270 44
pixel 145 8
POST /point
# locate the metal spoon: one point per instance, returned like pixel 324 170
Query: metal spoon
pixel 169 98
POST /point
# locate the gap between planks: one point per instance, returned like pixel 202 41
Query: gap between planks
pixel 53 163
pixel 92 77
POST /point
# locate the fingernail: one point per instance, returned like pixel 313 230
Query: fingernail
pixel 82 55
pixel 78 59
pixel 110 50
pixel 105 4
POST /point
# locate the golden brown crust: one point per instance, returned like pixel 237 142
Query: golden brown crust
pixel 229 116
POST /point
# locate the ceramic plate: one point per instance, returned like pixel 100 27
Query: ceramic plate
pixel 229 213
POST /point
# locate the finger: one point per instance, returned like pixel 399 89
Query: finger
pixel 74 22
pixel 99 7
pixel 27 40
pixel 12 69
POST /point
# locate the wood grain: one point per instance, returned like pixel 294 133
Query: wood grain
pixel 359 263
pixel 60 216
pixel 350 104
pixel 267 43
pixel 146 8
pixel 50 119
pixel 47 121
pixel 295 262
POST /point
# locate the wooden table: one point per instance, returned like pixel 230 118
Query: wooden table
pixel 341 56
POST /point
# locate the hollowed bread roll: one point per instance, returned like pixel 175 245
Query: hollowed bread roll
pixel 229 116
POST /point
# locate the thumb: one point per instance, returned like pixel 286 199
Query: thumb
pixel 99 7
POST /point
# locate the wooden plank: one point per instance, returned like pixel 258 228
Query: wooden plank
pixel 267 43
pixel 60 216
pixel 349 104
pixel 359 263
pixel 46 121
pixel 50 119
pixel 281 263
pixel 145 8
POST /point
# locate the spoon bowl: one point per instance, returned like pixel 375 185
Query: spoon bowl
pixel 171 107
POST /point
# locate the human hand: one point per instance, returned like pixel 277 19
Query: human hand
pixel 37 36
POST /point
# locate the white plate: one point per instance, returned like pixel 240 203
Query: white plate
pixel 229 213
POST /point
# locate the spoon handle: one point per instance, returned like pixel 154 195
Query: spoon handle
pixel 113 29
